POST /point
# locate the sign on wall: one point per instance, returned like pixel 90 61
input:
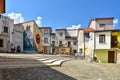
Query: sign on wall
pixel 2 6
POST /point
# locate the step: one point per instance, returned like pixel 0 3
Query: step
pixel 50 61
pixel 24 66
pixel 58 63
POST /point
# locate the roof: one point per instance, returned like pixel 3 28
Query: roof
pixel 71 37
pixel 60 29
pixel 17 24
pixel 104 18
pixel 26 22
pixel 52 33
pixel 87 29
pixel 107 30
pixel 45 27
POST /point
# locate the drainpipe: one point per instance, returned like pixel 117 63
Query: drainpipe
pixel 94 46
pixel 50 44
pixel 84 43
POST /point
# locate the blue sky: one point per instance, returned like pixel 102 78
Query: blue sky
pixel 63 13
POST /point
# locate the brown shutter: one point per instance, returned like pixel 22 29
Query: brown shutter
pixel 2 6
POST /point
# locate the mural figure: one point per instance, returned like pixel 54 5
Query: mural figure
pixel 28 40
pixel 38 38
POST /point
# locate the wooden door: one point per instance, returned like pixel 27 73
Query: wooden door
pixel 45 49
pixel 69 43
pixel 110 56
pixel 60 43
pixel 53 50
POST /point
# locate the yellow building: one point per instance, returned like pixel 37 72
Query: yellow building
pixel 107 50
pixel 105 55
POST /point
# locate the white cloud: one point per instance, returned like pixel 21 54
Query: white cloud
pixel 39 21
pixel 115 21
pixel 74 26
pixel 18 18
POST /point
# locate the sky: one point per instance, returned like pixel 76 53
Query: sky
pixel 70 14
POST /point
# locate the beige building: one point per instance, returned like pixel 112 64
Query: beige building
pixel 101 23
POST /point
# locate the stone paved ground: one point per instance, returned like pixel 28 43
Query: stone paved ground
pixel 82 70
pixel 70 70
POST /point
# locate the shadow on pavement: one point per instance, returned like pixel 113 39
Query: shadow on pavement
pixel 33 74
pixel 30 73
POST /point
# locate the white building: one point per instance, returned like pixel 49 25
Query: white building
pixel 81 42
pixel 102 39
pixel 18 37
pixel 86 42
pixel 46 39
pixel 6 29
pixel 71 39
pixel 66 40
pixel 54 44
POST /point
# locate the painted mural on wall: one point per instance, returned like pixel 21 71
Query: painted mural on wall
pixel 32 37
pixel 38 38
pixel 28 40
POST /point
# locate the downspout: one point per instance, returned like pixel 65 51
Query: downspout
pixel 50 44
pixel 94 40
pixel 94 46
pixel 77 39
pixel 84 43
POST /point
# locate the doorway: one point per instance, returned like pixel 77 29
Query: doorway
pixel 110 56
pixel 45 49
pixel 69 43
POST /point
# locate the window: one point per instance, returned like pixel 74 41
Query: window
pixel 5 29
pixel 80 50
pixel 53 36
pixel 75 42
pixel 102 25
pixel 53 43
pixel 101 38
pixel 45 32
pixel 87 37
pixel 45 40
pixel 61 34
pixel 1 42
pixel 74 51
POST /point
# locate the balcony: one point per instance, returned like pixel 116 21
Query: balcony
pixel 114 44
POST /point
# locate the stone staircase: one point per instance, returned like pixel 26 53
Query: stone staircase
pixel 31 62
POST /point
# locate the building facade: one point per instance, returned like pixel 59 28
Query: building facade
pixel 46 39
pixel 32 37
pixel 65 41
pixel 102 39
pixel 6 29
pixel 17 37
